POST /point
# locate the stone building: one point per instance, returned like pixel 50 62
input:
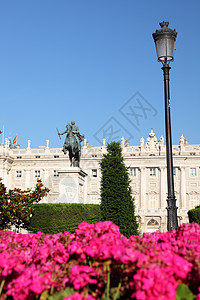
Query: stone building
pixel 20 168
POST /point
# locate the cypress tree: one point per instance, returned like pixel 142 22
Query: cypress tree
pixel 117 203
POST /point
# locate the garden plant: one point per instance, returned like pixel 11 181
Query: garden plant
pixel 98 262
pixel 16 206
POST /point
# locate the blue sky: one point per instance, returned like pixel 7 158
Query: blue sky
pixel 95 62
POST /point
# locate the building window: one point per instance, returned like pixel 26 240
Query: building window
pixel 94 172
pixel 18 174
pixel 37 173
pixel 152 222
pixel 37 156
pixel 152 202
pixel 55 173
pixel 132 154
pixel 193 201
pixel 152 171
pixel 132 171
pixel 56 156
pixel 192 153
pixel 94 155
pixel 19 157
pixel 193 172
pixel 174 171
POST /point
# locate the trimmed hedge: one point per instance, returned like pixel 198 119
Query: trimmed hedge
pixel 194 215
pixel 54 218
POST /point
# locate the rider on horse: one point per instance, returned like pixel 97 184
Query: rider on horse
pixel 75 131
pixel 72 141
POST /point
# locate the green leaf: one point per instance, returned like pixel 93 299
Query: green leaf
pixel 183 292
pixel 59 296
pixel 44 295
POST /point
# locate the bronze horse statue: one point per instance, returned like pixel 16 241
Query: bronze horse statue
pixel 72 144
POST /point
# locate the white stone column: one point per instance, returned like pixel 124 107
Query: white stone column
pixel 6 170
pixel 46 184
pixel 1 169
pixel 85 197
pixel 162 196
pixel 5 176
pixel 9 178
pixel 27 179
pixel 46 178
pixel 142 200
pixel 182 189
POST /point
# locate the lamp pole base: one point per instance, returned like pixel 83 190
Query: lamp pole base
pixel 172 220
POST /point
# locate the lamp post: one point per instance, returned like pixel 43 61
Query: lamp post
pixel 164 39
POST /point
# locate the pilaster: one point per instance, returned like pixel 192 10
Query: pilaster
pixel 27 179
pixel 162 198
pixel 182 189
pixel 142 201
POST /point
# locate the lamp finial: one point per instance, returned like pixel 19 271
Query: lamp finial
pixel 164 24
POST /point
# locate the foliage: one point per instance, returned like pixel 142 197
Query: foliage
pixel 97 262
pixel 183 292
pixel 55 218
pixel 194 215
pixel 16 206
pixel 117 203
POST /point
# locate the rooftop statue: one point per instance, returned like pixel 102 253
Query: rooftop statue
pixel 72 143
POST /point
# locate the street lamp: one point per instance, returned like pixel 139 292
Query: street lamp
pixel 164 39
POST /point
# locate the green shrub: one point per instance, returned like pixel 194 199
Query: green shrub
pixel 16 206
pixel 54 218
pixel 197 206
pixel 194 215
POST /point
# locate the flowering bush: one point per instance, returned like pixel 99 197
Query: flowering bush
pixel 16 206
pixel 97 262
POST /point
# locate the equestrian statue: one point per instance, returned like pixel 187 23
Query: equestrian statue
pixel 72 143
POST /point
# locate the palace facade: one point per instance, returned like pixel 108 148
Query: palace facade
pixel 20 168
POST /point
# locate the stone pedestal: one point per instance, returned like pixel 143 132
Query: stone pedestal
pixel 72 186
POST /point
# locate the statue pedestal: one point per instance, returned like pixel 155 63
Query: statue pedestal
pixel 72 187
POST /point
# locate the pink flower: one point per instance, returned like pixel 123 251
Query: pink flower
pixel 82 275
pixel 40 282
pixel 154 283
pixel 44 251
pixel 150 267
pixel 75 296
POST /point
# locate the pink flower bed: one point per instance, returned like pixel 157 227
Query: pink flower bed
pixel 98 262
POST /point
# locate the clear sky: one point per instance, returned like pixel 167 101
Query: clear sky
pixel 95 62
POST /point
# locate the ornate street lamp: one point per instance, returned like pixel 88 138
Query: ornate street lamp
pixel 164 39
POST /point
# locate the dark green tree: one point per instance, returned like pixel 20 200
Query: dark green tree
pixel 117 203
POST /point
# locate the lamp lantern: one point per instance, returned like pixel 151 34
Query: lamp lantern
pixel 165 39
